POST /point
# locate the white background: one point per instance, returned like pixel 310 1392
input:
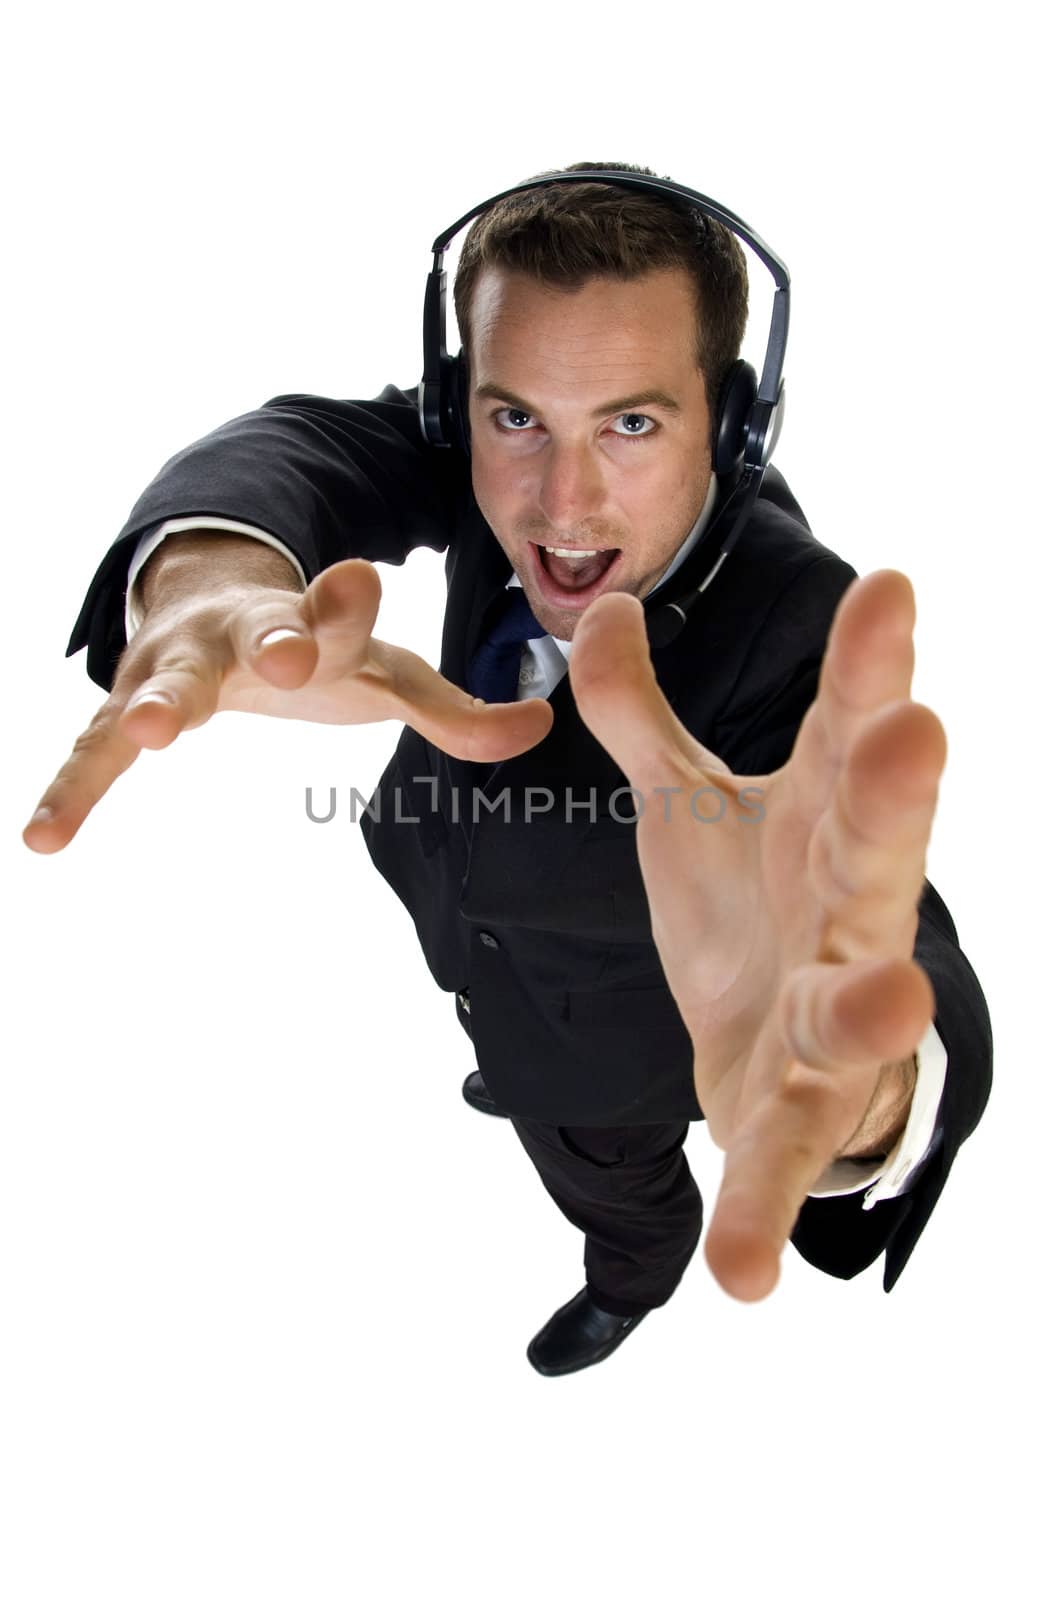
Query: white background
pixel 267 1282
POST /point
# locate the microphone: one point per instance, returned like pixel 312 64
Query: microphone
pixel 759 433
pixel 668 618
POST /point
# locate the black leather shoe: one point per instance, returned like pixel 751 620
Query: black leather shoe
pixel 579 1335
pixel 475 1092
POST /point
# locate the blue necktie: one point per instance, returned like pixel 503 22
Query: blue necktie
pixel 497 660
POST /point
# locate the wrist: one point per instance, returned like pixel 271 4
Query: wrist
pixel 886 1115
pixel 193 565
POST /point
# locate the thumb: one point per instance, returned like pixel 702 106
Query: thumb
pixel 619 698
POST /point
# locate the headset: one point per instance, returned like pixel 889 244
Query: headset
pixel 749 414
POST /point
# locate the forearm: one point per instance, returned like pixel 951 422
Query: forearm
pixel 887 1113
pixel 190 564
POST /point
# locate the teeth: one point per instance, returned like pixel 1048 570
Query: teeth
pixel 570 555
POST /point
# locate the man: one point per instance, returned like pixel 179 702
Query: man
pixel 773 959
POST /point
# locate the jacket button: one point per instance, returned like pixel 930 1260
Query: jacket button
pixel 490 940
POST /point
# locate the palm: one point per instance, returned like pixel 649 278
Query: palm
pixel 200 654
pixel 355 677
pixel 786 942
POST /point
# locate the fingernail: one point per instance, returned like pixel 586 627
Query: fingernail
pixel 148 697
pixel 278 633
pixel 42 814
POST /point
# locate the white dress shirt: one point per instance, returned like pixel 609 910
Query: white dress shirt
pixel 544 663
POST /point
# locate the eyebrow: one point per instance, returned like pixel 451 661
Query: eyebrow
pixel 627 402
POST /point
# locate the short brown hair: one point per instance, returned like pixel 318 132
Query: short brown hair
pixel 564 234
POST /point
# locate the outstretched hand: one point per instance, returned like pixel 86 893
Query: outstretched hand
pixel 310 656
pixel 786 928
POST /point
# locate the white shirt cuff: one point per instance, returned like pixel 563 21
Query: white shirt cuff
pixel 154 537
pixel 898 1168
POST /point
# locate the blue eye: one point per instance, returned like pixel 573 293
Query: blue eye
pixel 512 411
pixel 639 417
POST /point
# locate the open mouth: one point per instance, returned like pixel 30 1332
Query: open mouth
pixel 573 575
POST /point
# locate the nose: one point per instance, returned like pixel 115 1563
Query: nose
pixel 571 488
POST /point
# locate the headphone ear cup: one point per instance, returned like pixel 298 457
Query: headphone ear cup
pixel 458 403
pixel 453 383
pixel 464 430
pixel 737 395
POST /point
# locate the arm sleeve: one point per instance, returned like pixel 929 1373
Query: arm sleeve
pixel 842 1234
pixel 328 479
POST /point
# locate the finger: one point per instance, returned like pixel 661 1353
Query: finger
pixel 180 692
pixel 836 1027
pixel 100 755
pixel 146 709
pixel 618 696
pixel 868 851
pixel 868 662
pixel 274 638
pixel 451 719
pixel 284 641
pixel 340 609
pixel 832 1018
pixel 325 630
pixel 756 1209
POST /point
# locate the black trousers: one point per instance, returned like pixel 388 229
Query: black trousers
pixel 631 1193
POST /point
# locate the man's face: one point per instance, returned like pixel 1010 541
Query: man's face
pixel 589 431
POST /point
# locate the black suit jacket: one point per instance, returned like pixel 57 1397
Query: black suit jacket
pixel 522 878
